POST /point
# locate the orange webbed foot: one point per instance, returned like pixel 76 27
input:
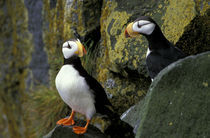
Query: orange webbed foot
pixel 67 121
pixel 60 122
pixel 79 130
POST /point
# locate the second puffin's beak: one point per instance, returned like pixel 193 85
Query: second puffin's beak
pixel 129 31
pixel 81 49
pixel 126 33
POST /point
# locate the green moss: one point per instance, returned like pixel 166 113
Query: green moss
pixel 178 15
pixel 15 56
pixel 202 6
pixel 54 36
pixel 194 39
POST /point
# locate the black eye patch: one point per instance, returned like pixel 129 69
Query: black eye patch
pixel 69 46
pixel 139 26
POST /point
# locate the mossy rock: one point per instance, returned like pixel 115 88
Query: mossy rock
pixel 173 16
pixel 195 36
pixel 184 23
pixel 15 55
pixel 177 103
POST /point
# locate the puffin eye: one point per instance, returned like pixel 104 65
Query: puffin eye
pixel 139 26
pixel 69 46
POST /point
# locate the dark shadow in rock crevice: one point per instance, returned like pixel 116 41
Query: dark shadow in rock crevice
pixel 195 38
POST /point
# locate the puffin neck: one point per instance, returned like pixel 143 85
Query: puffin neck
pixel 157 39
pixel 73 60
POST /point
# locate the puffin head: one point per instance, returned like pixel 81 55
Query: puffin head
pixel 143 25
pixel 73 48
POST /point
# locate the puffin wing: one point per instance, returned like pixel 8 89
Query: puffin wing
pixel 98 91
pixel 155 63
pixel 158 60
pixel 102 103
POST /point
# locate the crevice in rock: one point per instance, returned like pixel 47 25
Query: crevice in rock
pixel 195 38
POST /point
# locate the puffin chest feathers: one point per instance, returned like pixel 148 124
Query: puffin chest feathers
pixel 74 91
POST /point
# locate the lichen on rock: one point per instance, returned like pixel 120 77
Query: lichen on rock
pixel 15 54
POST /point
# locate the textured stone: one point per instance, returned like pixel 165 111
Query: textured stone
pixel 131 116
pixel 184 23
pixel 117 128
pixel 67 132
pixel 177 103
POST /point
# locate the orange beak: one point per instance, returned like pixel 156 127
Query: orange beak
pixel 129 31
pixel 126 34
pixel 84 50
pixel 81 49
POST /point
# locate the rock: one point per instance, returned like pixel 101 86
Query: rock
pixel 38 64
pixel 184 23
pixel 129 54
pixel 177 103
pixel 66 132
pixel 131 116
pixel 116 129
pixel 194 40
pixel 15 54
pixel 84 17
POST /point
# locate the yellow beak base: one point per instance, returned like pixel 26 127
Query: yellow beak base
pixel 130 32
pixel 81 49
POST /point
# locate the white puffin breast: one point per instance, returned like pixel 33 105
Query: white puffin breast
pixel 74 91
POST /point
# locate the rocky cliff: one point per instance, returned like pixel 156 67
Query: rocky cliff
pixel 32 33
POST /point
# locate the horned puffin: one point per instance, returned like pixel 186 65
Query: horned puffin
pixel 160 52
pixel 80 91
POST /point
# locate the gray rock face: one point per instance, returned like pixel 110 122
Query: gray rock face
pixel 131 116
pixel 39 64
pixel 177 103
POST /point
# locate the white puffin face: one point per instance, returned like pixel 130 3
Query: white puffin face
pixel 69 49
pixel 143 27
pixel 73 47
